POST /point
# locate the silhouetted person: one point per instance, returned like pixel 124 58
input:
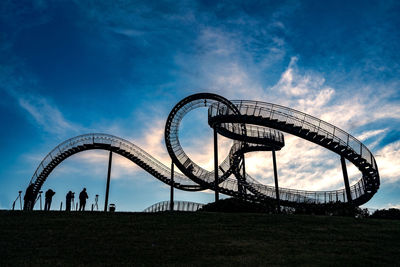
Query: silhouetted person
pixel 82 199
pixel 49 196
pixel 28 198
pixel 68 199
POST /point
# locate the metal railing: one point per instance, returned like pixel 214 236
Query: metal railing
pixel 78 143
pixel 178 206
pixel 297 118
pixel 314 125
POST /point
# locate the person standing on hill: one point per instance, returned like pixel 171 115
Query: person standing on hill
pixel 82 199
pixel 28 198
pixel 68 199
pixel 49 196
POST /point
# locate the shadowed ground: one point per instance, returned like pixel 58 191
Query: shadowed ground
pixel 201 238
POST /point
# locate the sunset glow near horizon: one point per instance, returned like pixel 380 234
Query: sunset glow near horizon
pixel 118 67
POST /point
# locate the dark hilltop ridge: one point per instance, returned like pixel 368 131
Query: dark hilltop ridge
pixel 233 205
pixel 195 238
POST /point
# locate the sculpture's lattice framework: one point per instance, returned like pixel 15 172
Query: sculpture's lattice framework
pixel 177 206
pixel 254 126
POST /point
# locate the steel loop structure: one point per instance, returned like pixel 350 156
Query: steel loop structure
pixel 254 126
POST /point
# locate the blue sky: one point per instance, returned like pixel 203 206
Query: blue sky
pixel 118 67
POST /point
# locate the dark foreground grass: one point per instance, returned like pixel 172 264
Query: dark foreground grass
pixel 204 239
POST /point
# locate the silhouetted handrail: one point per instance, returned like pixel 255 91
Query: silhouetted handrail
pixel 178 206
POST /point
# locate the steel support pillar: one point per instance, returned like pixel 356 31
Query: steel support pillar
pixel 108 181
pixel 40 198
pixel 20 199
pixel 216 164
pixel 276 182
pixel 171 199
pixel 346 179
pixel 242 187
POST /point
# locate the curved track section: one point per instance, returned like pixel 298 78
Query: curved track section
pixel 110 143
pixel 254 126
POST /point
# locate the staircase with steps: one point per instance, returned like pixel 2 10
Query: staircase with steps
pixel 314 130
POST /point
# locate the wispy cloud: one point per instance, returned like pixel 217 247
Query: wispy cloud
pixel 39 110
pixel 388 161
pixel 128 32
pixel 47 116
pixel 368 134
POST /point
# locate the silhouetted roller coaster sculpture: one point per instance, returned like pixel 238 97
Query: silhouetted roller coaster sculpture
pixel 254 126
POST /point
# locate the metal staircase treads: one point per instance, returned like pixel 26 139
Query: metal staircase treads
pixel 311 134
pixel 296 128
pixel 304 131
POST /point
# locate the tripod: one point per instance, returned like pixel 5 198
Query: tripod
pixel 39 197
pixel 95 202
pixel 20 200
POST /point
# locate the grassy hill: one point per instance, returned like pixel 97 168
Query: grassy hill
pixel 58 238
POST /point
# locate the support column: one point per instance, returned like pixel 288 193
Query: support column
pixel 40 196
pixel 346 179
pixel 108 181
pixel 171 200
pixel 216 164
pixel 243 189
pixel 20 199
pixel 276 182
